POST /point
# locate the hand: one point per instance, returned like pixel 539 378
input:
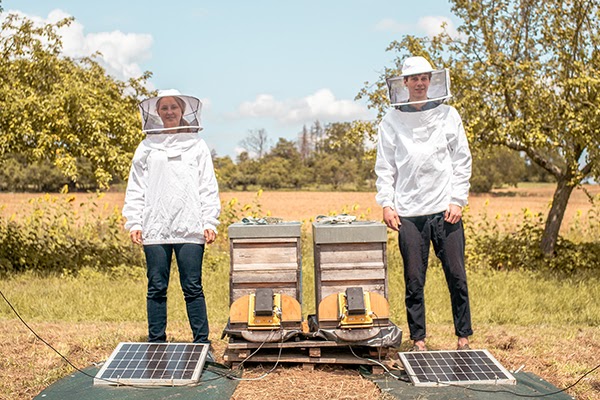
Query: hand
pixel 136 237
pixel 209 236
pixel 391 218
pixel 453 214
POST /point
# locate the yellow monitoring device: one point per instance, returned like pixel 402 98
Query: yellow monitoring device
pixel 355 309
pixel 260 320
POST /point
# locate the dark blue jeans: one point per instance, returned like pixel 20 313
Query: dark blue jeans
pixel 189 261
pixel 416 234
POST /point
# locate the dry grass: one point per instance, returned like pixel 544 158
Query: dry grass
pixel 27 366
pixel 305 206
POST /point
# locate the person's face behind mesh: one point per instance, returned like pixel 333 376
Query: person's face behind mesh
pixel 417 86
pixel 170 112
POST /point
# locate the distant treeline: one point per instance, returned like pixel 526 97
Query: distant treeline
pixel 321 159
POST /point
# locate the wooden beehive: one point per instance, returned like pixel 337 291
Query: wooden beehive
pixel 265 256
pixel 350 255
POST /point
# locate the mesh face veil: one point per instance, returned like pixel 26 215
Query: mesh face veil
pixel 439 86
pixel 171 112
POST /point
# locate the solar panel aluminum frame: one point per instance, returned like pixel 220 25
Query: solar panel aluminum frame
pixel 148 358
pixel 412 370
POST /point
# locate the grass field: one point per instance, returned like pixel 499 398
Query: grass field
pixel 549 324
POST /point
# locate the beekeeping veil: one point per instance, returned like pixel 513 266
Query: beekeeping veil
pixel 190 113
pixel 439 87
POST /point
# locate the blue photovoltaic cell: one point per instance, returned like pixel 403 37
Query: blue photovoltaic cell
pixel 432 368
pixel 153 364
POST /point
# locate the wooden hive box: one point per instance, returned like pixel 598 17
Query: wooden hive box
pixel 265 256
pixel 350 255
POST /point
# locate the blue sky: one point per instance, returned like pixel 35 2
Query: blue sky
pixel 273 65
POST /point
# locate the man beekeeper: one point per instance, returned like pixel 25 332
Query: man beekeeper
pixel 423 168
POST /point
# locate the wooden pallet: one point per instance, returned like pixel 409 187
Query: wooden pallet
pixel 305 352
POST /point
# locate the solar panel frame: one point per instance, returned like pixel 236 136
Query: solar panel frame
pixel 153 364
pixel 458 367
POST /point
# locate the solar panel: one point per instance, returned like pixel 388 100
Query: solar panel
pixel 172 364
pixel 465 367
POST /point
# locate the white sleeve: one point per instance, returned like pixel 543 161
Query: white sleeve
pixel 385 168
pixel 461 164
pixel 133 208
pixel 209 191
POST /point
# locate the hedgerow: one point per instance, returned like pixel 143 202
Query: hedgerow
pixel 58 236
pixel 513 242
pixel 61 237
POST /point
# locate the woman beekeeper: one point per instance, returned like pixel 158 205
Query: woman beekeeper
pixel 172 205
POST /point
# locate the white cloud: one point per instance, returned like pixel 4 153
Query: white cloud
pixel 390 25
pixel 322 106
pixel 121 52
pixel 239 150
pixel 433 26
pixel 430 25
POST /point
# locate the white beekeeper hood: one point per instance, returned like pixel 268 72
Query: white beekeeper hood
pixel 190 120
pixel 439 87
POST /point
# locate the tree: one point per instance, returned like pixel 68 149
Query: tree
pixel 285 157
pixel 57 109
pixel 226 172
pixel 274 172
pixel 304 144
pixel 257 142
pixel 496 166
pixel 247 170
pixel 334 171
pixel 316 135
pixel 350 150
pixel 524 76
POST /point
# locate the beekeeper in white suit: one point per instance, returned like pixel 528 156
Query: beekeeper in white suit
pixel 423 168
pixel 172 205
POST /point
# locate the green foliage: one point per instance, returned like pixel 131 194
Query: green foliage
pixel 492 243
pixel 550 294
pixel 64 238
pixel 19 175
pixel 58 110
pixel 225 171
pixel 518 297
pixel 247 170
pixel 524 76
pixel 495 167
pixel 61 237
pixel 322 157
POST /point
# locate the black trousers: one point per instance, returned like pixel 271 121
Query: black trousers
pixel 416 234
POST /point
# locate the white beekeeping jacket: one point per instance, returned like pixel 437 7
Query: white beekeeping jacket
pixel 423 158
pixel 172 193
pixel 190 113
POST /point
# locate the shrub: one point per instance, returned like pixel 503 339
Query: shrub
pixel 490 244
pixel 60 237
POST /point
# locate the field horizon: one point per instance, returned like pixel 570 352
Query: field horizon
pixel 501 203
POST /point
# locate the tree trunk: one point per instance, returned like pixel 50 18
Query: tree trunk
pixel 555 217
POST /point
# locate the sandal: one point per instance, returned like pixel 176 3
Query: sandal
pixel 463 347
pixel 417 348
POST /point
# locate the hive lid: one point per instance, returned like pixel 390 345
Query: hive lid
pixel 240 230
pixel 356 232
